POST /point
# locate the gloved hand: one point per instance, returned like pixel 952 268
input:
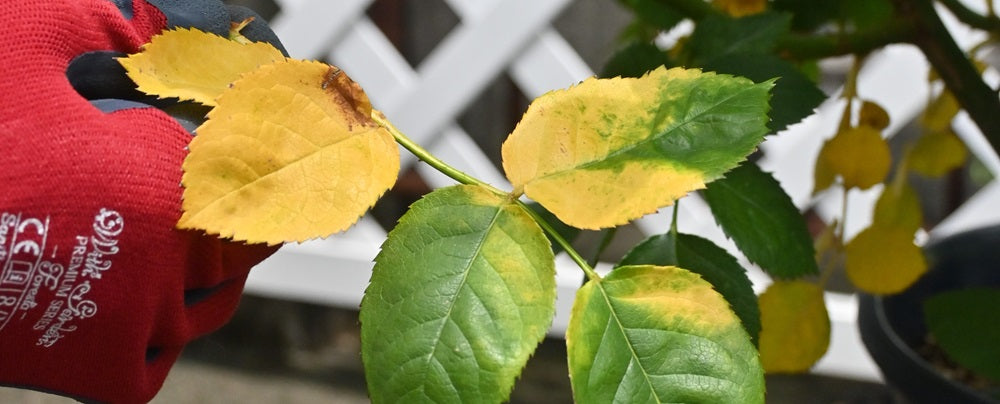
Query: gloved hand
pixel 98 290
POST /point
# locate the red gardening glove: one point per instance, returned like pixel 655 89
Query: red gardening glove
pixel 98 290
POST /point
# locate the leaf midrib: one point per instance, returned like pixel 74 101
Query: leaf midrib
pixel 635 357
pixel 647 140
pixel 621 328
pixel 451 306
pixel 281 169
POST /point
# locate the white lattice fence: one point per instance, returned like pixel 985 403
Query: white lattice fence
pixel 515 36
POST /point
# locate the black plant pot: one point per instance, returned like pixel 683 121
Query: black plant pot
pixel 891 327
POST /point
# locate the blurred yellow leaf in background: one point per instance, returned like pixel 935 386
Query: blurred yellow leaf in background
pixel 858 155
pixel 795 327
pixel 938 153
pixel 884 260
pixel 873 115
pixel 899 207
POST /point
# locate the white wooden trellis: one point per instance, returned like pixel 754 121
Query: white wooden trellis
pixel 515 36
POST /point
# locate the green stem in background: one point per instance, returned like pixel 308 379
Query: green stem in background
pixel 850 93
pixel 955 69
pixel 606 239
pixel 427 157
pixel 575 256
pixel 693 9
pixel 812 46
pixel 838 235
pixel 988 22
pixel 818 46
pixel 843 217
pixel 673 221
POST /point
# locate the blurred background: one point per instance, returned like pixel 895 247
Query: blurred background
pixel 456 76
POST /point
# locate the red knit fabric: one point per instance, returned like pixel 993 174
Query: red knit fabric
pixel 93 274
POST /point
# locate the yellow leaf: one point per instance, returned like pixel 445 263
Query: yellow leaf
pixel 940 112
pixel 795 327
pixel 740 8
pixel 290 153
pixel 899 207
pixel 938 153
pixel 193 65
pixel 883 260
pixel 873 115
pixel 858 155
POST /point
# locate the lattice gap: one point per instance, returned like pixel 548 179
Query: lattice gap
pixel 415 27
pixel 493 114
pixel 592 27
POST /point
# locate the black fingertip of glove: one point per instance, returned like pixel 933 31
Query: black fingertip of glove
pixel 97 74
pixel 206 15
pixel 124 6
pixel 257 30
pixel 187 114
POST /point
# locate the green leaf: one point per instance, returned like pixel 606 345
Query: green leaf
pixel 655 13
pixel 966 323
pixel 635 60
pixel 794 96
pixel 607 151
pixel 719 36
pixel 704 258
pixel 758 215
pixel 461 294
pixel 807 14
pixel 866 13
pixel 649 334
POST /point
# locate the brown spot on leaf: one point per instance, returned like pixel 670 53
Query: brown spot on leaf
pixel 348 96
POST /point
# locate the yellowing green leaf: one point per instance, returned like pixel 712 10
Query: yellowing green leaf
pixel 883 260
pixel 610 150
pixel 795 327
pixel 858 155
pixel 873 115
pixel 899 207
pixel 652 334
pixel 193 65
pixel 290 153
pixel 740 8
pixel 938 153
pixel 709 261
